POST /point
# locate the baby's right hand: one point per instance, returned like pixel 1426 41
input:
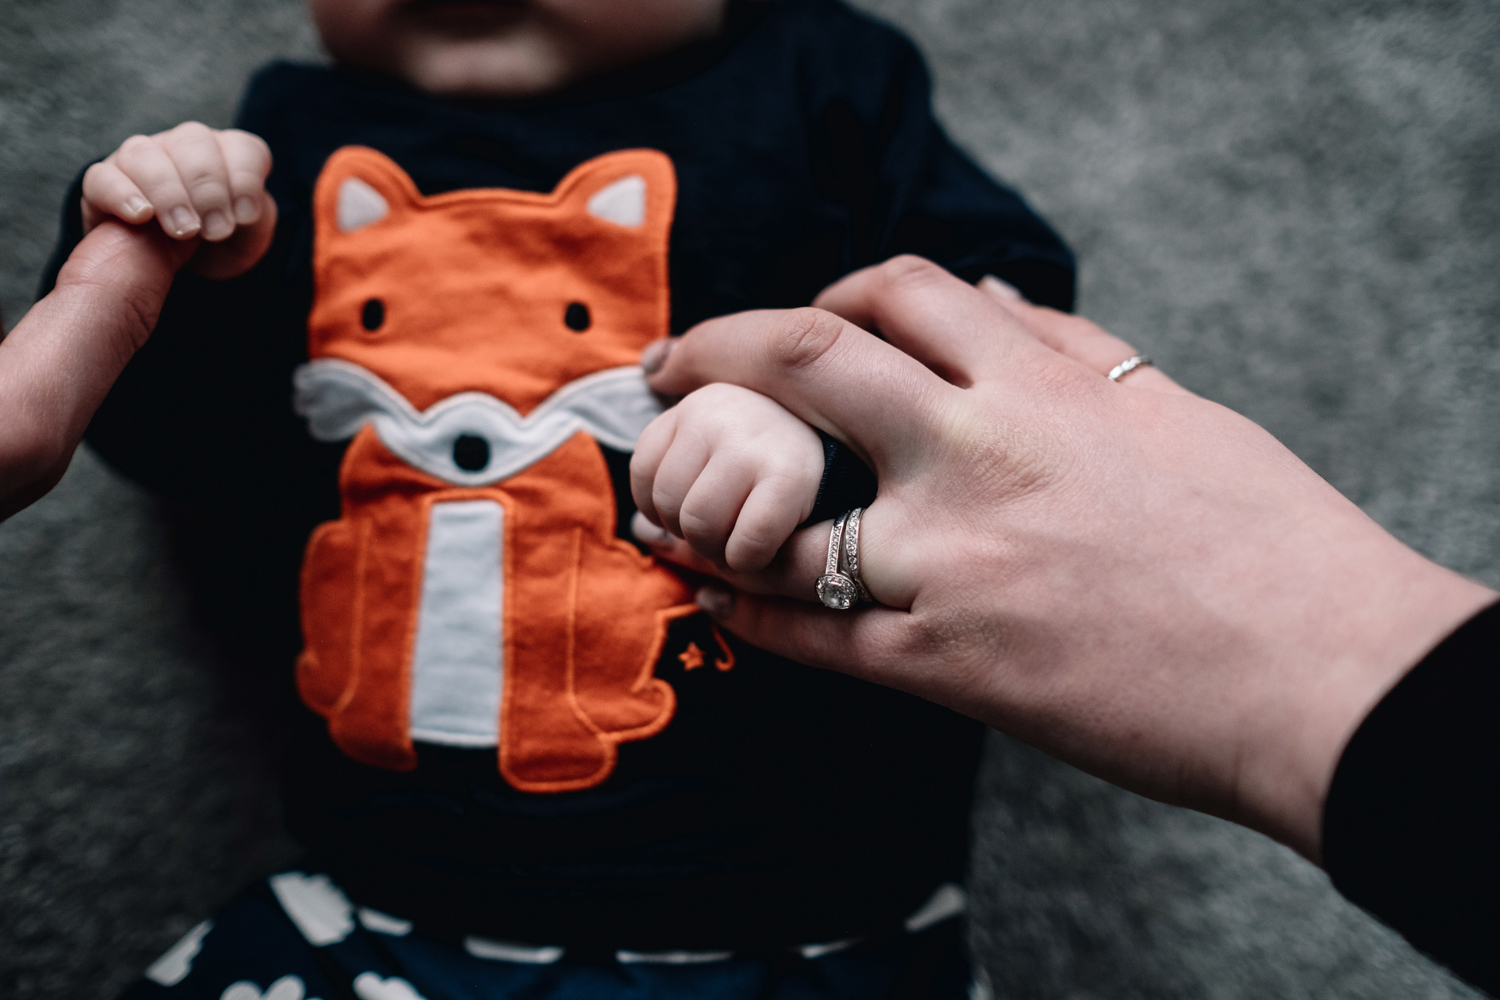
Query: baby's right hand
pixel 731 472
pixel 197 182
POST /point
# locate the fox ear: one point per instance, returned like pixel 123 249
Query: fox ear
pixel 633 189
pixel 360 187
pixel 359 205
pixel 622 202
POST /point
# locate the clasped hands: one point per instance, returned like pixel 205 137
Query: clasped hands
pixel 1130 577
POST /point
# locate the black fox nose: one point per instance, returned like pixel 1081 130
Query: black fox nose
pixel 471 453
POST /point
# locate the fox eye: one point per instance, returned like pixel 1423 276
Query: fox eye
pixel 577 317
pixel 373 314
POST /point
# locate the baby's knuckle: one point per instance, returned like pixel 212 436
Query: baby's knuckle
pixel 664 500
pixel 191 130
pixel 204 186
pixel 137 144
pixel 804 336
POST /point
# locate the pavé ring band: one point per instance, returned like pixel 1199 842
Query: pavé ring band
pixel 851 553
pixel 835 589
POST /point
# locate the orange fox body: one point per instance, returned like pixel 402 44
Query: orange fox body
pixel 478 345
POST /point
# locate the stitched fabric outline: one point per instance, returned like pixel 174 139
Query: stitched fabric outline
pixel 338 398
pixel 479 346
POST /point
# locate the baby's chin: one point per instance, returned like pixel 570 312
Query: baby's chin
pixel 512 65
pixel 507 48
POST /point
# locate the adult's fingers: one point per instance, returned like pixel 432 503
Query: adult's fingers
pixel 793 573
pixel 63 355
pixel 147 164
pixel 938 319
pixel 1080 339
pixel 891 572
pixel 823 369
pixel 868 638
pixel 200 164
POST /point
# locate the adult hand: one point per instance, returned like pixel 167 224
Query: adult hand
pixel 1134 579
pixel 66 352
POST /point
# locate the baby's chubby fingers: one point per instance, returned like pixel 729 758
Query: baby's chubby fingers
pixel 707 513
pixel 197 182
pixel 195 153
pixel 769 515
pixel 247 160
pixel 650 448
pixel 145 162
pixel 108 191
pixel 678 470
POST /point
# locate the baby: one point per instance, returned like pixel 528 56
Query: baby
pixel 521 762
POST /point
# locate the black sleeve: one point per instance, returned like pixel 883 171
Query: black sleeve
pixel 1411 830
pixel 847 482
pixel 975 226
pixel 878 149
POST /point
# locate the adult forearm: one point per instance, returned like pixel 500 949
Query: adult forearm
pixel 62 357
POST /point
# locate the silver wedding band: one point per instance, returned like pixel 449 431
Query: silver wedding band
pixel 851 553
pixel 1127 366
pixel 837 588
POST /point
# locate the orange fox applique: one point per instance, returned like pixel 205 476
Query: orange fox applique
pixel 479 346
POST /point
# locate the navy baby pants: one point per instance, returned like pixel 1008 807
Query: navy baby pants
pixel 298 937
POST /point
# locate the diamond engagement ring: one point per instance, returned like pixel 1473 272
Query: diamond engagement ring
pixel 851 553
pixel 1127 366
pixel 835 589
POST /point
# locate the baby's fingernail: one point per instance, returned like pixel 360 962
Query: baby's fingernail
pixel 246 210
pixel 137 207
pixel 217 225
pixel 645 531
pixel 184 222
pixel 655 355
pixel 1004 289
pixel 716 600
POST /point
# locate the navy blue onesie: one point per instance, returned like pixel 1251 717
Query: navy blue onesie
pixel 782 804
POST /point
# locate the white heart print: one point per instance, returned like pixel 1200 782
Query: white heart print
pixel 369 986
pixel 285 988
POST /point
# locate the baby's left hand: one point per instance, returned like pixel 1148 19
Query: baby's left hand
pixel 729 471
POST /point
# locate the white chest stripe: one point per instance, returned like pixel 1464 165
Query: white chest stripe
pixel 339 397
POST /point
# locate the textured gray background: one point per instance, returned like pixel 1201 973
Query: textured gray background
pixel 1292 205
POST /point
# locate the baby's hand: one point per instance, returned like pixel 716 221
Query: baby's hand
pixel 731 472
pixel 197 182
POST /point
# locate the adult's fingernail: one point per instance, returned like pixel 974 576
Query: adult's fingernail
pixel 217 225
pixel 645 531
pixel 716 601
pixel 655 355
pixel 184 222
pixel 136 207
pixel 1004 289
pixel 246 210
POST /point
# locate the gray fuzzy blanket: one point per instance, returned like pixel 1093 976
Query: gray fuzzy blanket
pixel 1291 205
